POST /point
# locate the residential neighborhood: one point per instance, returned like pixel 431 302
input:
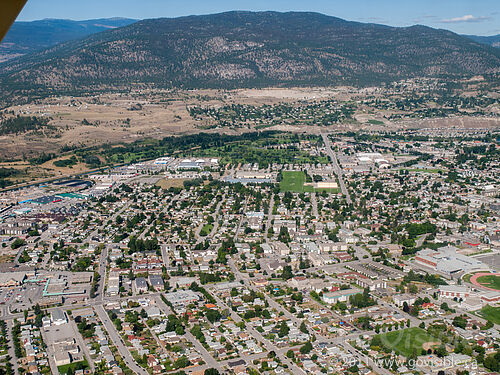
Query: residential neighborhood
pixel 334 253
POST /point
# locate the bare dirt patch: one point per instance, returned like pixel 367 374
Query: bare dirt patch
pixel 429 345
pixel 168 183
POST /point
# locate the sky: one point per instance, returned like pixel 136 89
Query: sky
pixel 478 17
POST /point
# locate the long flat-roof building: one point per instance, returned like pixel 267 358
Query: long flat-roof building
pixel 448 261
pixel 340 295
pixel 452 291
pixel 11 279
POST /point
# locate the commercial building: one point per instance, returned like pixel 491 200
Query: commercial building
pixel 181 298
pixel 12 279
pixel 113 284
pixel 58 317
pixel 400 299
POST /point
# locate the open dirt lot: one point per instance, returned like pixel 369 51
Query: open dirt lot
pixel 171 182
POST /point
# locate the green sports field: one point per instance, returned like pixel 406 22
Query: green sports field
pixel 407 341
pixel 490 281
pixel 293 181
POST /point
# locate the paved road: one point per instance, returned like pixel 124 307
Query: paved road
pixel 314 203
pixel 50 355
pixel 336 167
pixel 81 343
pixel 216 214
pixel 102 273
pixel 11 351
pixel 241 220
pixel 103 261
pixel 118 342
pixel 18 255
pixel 269 215
pixel 164 255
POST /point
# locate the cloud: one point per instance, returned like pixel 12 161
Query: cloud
pixel 466 18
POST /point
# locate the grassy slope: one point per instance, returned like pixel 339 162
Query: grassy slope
pixel 491 313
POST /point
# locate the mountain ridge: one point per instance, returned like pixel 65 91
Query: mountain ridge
pixel 251 49
pixel 26 37
pixel 491 40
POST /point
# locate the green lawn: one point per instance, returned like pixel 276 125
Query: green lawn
pixel 293 181
pixel 75 366
pixel 423 170
pixel 330 191
pixel 491 313
pixel 205 231
pixel 490 281
pixel 467 277
pixel 407 341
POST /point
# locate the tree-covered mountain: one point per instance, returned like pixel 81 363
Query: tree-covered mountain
pixel 28 37
pixel 237 49
pixel 493 40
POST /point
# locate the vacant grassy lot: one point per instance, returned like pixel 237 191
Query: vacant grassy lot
pixel 491 313
pixel 490 281
pixel 407 341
